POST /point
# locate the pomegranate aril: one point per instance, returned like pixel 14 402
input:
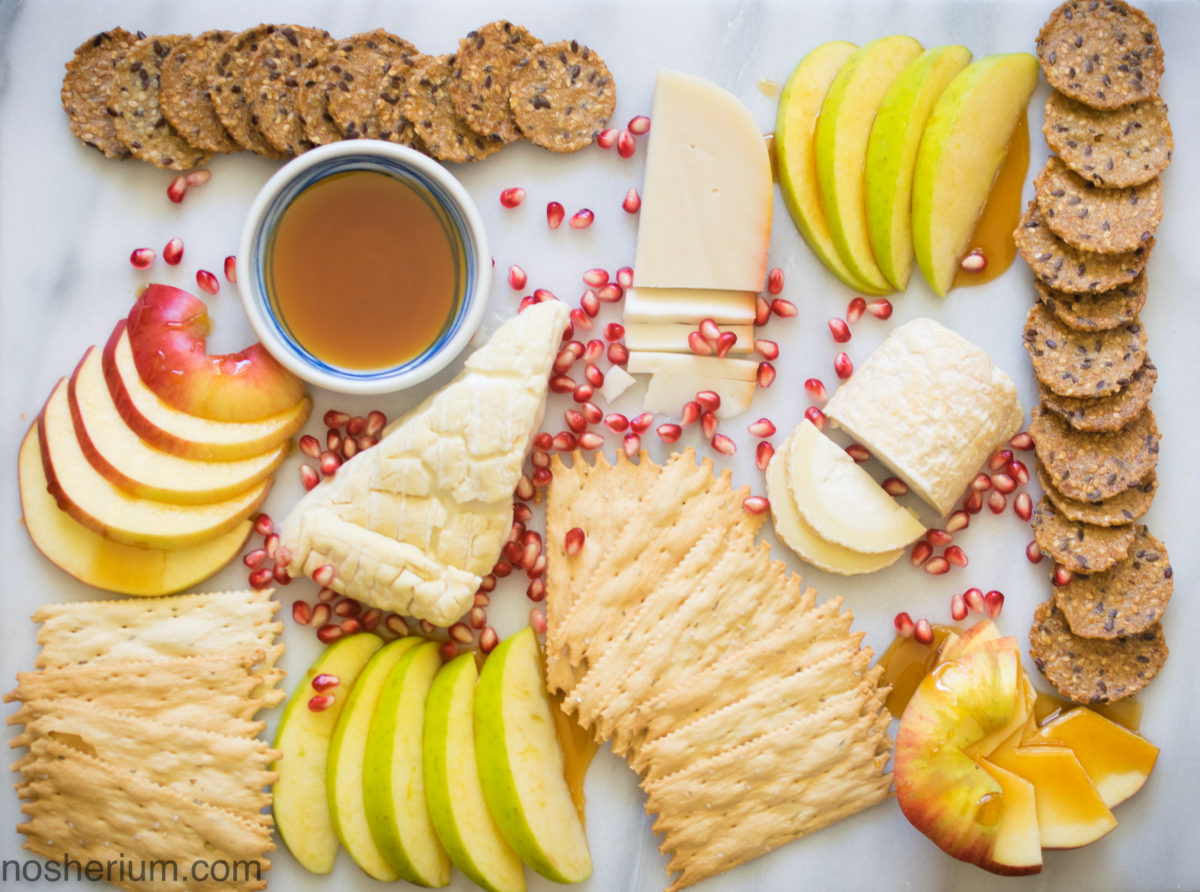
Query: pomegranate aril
pixel 763 454
pixel 592 413
pixel 625 144
pixel 690 413
pixel 775 281
pixel 1021 442
pixel 489 639
pixel 641 423
pixel 366 441
pixel 595 277
pixel 325 681
pixel 539 459
pixel 762 310
pixel 593 351
pixel 1017 470
pixel 894 486
pixel 610 293
pixel 709 329
pixel 477 617
pixel 974 599
pixel 669 433
pixel 816 390
pixel 575 420
pixel 1033 552
pixel 376 422
pixel 997 502
pixel 141 258
pixel 994 602
pixel 958 608
pixel 973 502
pixel 263 525
pixel 618 354
pixel 699 344
pixel 517 278
pixel 561 384
pixel 536 590
pixel 708 424
pixel 573 540
pixel 614 331
pixel 173 251
pixel 1062 576
pixel 198 177
pixel 324 574
pixel 880 309
pixel 981 482
pixel 310 446
pixel 582 219
pixel 724 445
pixel 956 556
pixel 762 428
pixel 590 304
pixel 334 418
pixel 726 341
pixel 581 320
pixel 589 441
pixel 974 262
pixel 839 329
pixel 921 552
pixel 329 633
pixel 177 189
pixel 461 633
pixel 958 520
pixel 526 302
pixel 858 452
pixel 543 441
pixel 765 376
pixel 923 632
pixel 396 624
pixel 816 417
pixel 321 702
pixel 254 559
pixel 524 488
pixel 554 214
pixel 632 203
pixel 631 445
pixel 330 462
pixel 448 650
pixel 512 197
pixel 207 282
pixel 1023 506
pixel 301 612
pixel 936 566
pixel 616 422
pixel 855 309
pixel 564 441
pixel 607 138
pixel 842 366
pixel 231 270
pixel 756 504
pixel 784 309
pixel 271 544
pixel 625 276
pixel 347 607
pixel 371 619
pixel 766 349
pixel 709 400
pixel 281 576
pixel 639 125
pixel 938 538
pixel 583 392
pixel 999 459
pixel 1003 483
pixel 904 624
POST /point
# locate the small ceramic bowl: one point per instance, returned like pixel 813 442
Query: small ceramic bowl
pixel 457 212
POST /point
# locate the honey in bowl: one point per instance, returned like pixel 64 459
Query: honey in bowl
pixel 364 270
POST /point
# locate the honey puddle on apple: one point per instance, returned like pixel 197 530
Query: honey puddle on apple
pixel 578 750
pixel 364 270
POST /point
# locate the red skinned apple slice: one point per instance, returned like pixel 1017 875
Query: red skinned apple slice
pixel 102 563
pixel 129 462
pixel 165 427
pixel 103 508
pixel 168 331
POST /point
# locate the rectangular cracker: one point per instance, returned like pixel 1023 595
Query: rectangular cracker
pixel 225 771
pixel 80 807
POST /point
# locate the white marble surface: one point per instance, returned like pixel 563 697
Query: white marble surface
pixel 69 218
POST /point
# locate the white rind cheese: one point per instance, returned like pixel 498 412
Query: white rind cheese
pixel 931 406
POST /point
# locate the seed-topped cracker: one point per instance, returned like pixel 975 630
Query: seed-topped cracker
pixel 312 97
pixel 362 64
pixel 184 96
pixel 486 60
pixel 87 90
pixel 1122 508
pixel 1096 312
pixel 1126 147
pixel 273 83
pixel 1104 53
pixel 1127 598
pixel 1079 547
pixel 1091 218
pixel 1105 413
pixel 1082 363
pixel 1091 467
pixel 422 97
pixel 227 88
pixel 1090 670
pixel 562 95
pixel 1068 269
pixel 139 121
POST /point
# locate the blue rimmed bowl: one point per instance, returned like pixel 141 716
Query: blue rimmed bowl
pixel 456 211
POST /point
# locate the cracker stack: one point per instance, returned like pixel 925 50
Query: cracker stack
pixel 142 735
pixel 749 710
pixel 1087 237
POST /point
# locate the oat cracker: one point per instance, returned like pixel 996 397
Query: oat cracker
pixel 1096 312
pixel 1090 670
pixel 273 83
pixel 312 98
pixel 425 101
pixel 1082 363
pixel 562 95
pixel 1113 149
pixel 1091 467
pixel 1104 53
pixel 1079 547
pixel 1124 507
pixel 87 90
pixel 486 61
pixel 366 61
pixel 1090 218
pixel 226 86
pixel 1105 413
pixel 1068 269
pixel 184 95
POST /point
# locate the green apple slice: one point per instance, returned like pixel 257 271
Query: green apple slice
pixel 347 750
pixel 521 763
pixel 301 805
pixel 393 777
pixel 795 123
pixel 452 787
pixel 843 130
pixel 961 150
pixel 892 155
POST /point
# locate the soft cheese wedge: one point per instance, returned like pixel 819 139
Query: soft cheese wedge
pixel 415 522
pixel 841 501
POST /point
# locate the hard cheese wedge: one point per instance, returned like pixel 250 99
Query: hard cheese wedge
pixel 688 305
pixel 413 523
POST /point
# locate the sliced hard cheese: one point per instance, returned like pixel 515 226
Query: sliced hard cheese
pixel 616 382
pixel 796 532
pixel 673 336
pixel 931 406
pixel 840 500
pixel 668 392
pixel 688 305
pixel 705 220
pixel 690 366
pixel 412 524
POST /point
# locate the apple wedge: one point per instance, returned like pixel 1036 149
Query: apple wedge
pixel 460 814
pixel 127 461
pixel 1018 846
pixel 168 331
pixel 115 514
pixel 393 774
pixel 980 633
pixel 843 131
pixel 521 763
pixel 961 150
pixel 167 428
pixel 892 155
pixel 301 804
pixel 839 499
pixel 102 563
pixel 795 126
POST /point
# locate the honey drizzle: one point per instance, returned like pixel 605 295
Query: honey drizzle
pixel 578 748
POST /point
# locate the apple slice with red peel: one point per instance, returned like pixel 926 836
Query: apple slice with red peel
pixel 102 563
pixel 127 461
pixel 108 510
pixel 1018 848
pixel 168 331
pixel 978 634
pixel 167 428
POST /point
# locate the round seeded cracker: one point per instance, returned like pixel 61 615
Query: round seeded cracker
pixel 1096 312
pixel 1091 467
pixel 273 83
pixel 87 90
pixel 1127 598
pixel 184 92
pixel 486 61
pixel 424 99
pixel 1088 670
pixel 1105 413
pixel 1124 507
pixel 1102 52
pixel 312 98
pixel 1087 217
pixel 1113 149
pixel 139 121
pixel 361 66
pixel 1079 547
pixel 1068 269
pixel 1082 363
pixel 562 95
pixel 226 85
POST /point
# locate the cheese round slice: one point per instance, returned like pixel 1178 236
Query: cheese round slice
pixel 839 499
